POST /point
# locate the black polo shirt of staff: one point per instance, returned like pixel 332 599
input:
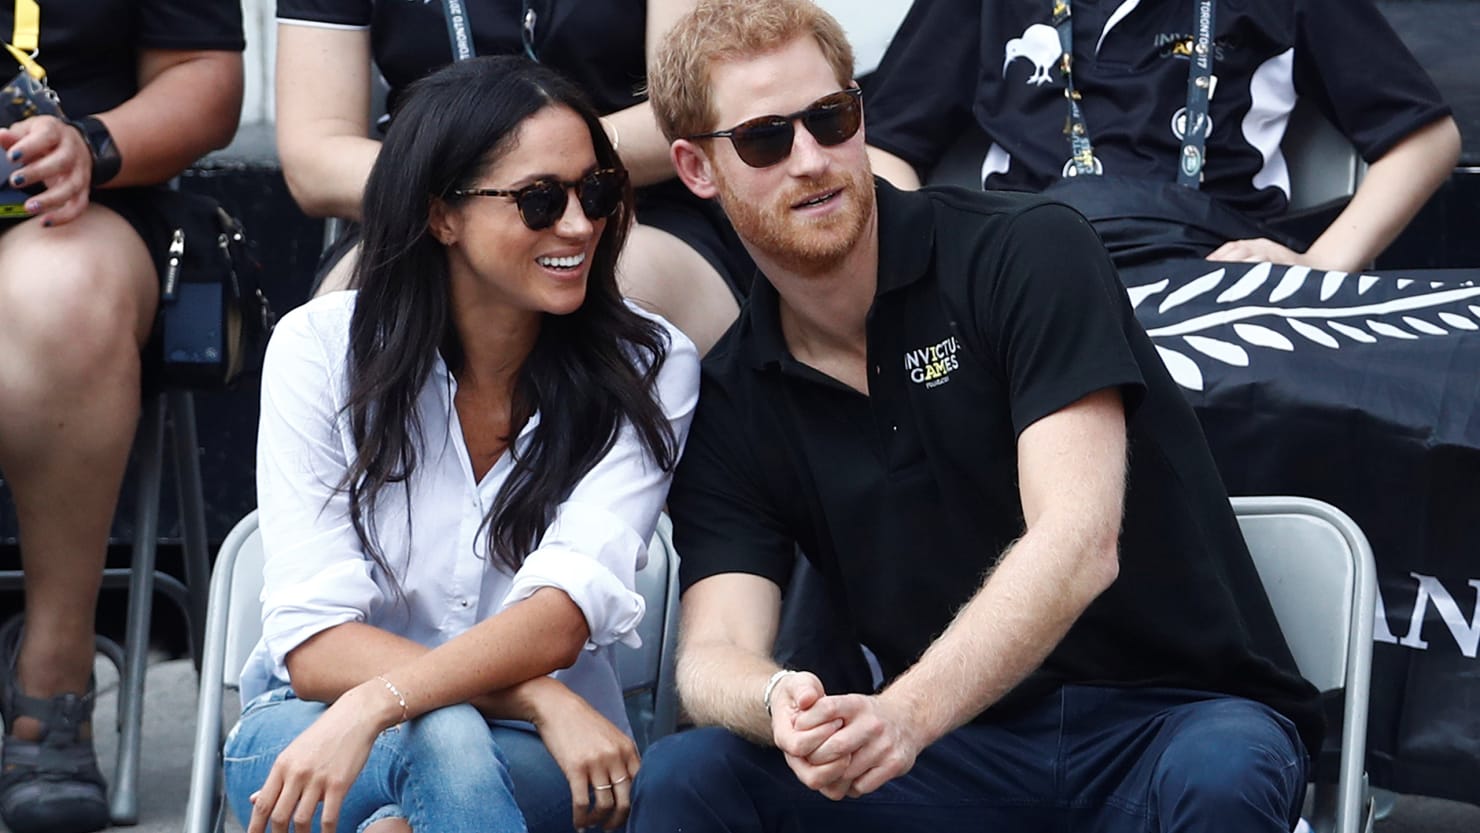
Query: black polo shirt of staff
pixel 992 310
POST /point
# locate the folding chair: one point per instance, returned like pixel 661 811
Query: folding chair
pixel 1318 572
pixel 234 624
pixel 647 672
pixel 1325 169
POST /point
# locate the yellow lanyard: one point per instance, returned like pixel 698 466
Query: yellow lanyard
pixel 24 43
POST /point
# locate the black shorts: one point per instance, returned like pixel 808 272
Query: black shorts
pixel 702 224
pixel 138 208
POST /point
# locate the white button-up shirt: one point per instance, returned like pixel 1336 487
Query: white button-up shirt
pixel 430 531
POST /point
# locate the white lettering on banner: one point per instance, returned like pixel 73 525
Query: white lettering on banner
pixel 1431 591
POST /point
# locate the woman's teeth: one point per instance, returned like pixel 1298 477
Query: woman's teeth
pixel 569 262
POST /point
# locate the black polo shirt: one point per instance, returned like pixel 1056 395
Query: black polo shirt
pixel 992 311
pixel 599 46
pixel 90 48
pixel 957 60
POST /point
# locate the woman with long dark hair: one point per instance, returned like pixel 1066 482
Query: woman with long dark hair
pixel 459 469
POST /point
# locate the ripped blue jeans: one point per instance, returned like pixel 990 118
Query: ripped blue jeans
pixel 448 771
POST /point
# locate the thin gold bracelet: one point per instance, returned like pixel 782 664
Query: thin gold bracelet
pixel 396 693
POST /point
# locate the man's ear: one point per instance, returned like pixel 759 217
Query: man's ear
pixel 443 222
pixel 693 167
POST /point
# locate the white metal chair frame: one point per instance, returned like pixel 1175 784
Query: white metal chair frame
pixel 1287 537
pixel 233 626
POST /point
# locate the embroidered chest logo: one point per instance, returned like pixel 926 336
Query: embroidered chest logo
pixel 932 366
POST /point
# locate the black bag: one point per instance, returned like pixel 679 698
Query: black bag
pixel 213 318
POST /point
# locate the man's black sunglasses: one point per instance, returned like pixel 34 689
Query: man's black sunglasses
pixel 763 141
pixel 542 203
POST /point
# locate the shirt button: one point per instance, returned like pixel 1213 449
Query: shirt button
pixel 878 369
pixel 894 427
pixel 462 602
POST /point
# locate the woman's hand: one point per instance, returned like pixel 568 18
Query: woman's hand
pixel 598 759
pixel 319 766
pixel 48 151
pixel 1257 250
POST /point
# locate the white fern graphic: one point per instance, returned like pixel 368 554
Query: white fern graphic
pixel 1249 315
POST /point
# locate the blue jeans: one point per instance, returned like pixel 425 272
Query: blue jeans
pixel 1086 759
pixel 448 771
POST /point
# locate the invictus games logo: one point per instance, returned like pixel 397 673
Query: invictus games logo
pixel 931 366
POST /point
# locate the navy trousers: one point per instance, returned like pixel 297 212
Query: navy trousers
pixel 1085 760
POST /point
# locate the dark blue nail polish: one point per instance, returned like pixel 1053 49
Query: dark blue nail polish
pixel 46 223
pixel 15 155
pixel 18 180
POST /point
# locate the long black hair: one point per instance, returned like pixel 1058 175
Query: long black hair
pixel 588 372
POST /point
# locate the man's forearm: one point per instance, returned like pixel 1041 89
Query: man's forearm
pixel 1022 611
pixel 722 685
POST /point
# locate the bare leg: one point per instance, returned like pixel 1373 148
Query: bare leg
pixel 662 274
pixel 392 825
pixel 76 303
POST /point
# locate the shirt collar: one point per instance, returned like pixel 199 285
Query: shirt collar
pixel 446 383
pixel 906 232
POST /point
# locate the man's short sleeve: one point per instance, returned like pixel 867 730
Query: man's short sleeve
pixel 191 24
pixel 920 98
pixel 1057 317
pixel 1349 59
pixel 722 502
pixel 350 13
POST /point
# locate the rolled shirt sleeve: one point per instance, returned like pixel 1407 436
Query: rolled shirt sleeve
pixel 315 574
pixel 599 537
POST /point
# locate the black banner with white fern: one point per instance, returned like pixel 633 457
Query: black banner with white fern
pixel 1360 390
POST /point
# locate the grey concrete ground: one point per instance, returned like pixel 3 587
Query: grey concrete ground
pixel 169 731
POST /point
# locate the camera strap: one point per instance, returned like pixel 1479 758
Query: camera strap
pixel 25 41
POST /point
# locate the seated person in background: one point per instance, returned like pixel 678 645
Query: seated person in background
pixel 936 395
pixel 999 63
pixel 459 467
pixel 683 260
pixel 150 86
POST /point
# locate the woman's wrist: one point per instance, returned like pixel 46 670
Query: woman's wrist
pixel 540 698
pixel 383 707
pixel 106 160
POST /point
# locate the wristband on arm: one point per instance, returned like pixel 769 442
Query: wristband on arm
pixel 106 160
pixel 771 687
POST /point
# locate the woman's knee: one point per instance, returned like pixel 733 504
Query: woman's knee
pixel 455 741
pixel 78 300
pixel 664 274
